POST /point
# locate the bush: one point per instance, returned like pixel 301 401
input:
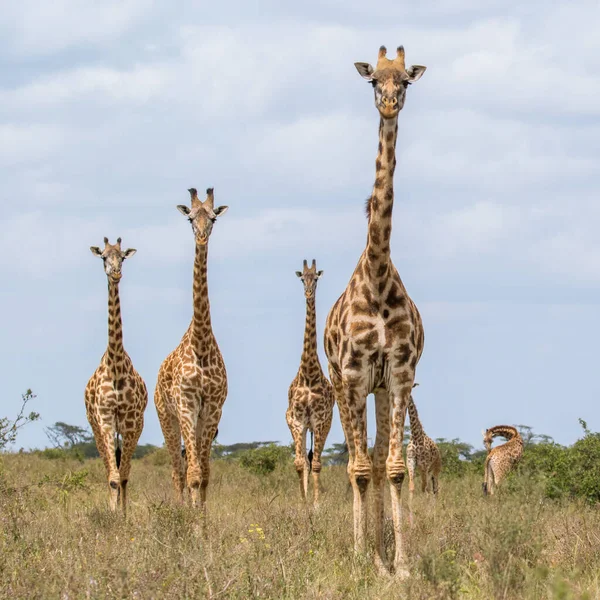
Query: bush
pixel 566 471
pixel 266 459
pixel 9 428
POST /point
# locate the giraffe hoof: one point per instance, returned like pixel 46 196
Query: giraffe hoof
pixel 401 573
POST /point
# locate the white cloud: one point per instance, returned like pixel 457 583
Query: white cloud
pixel 31 27
pixel 136 85
pixel 28 143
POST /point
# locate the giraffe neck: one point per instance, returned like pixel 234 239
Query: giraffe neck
pixel 416 429
pixel 310 357
pixel 505 431
pixel 381 202
pixel 115 350
pixel 201 324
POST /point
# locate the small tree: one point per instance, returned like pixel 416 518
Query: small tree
pixel 9 428
pixel 336 454
pixel 62 435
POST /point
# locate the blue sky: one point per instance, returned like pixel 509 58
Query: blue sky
pixel 110 110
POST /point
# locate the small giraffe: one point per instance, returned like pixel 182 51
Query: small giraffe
pixel 310 394
pixel 501 459
pixel 192 380
pixel 421 452
pixel 116 395
pixel 374 334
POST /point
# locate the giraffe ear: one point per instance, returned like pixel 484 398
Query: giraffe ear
pixel 415 73
pixel 299 273
pixel 129 253
pixel 183 209
pixel 365 70
pixel 220 210
pixel 319 273
pixel 96 251
pixel 483 432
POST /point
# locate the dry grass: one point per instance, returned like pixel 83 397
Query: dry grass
pixel 58 540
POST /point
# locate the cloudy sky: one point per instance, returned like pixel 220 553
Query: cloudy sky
pixel 110 110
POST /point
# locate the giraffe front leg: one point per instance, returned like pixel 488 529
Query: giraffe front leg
pixel 108 435
pixel 298 431
pixel 380 451
pixel 411 461
pixel 169 424
pixel 206 434
pixel 395 469
pixel 130 440
pixel 321 431
pixel 188 423
pixel 360 468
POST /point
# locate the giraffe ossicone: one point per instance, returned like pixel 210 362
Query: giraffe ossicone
pixel 116 395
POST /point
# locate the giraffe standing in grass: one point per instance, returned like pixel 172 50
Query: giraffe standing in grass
pixel 116 395
pixel 192 381
pixel 423 453
pixel 310 394
pixel 502 459
pixel 374 334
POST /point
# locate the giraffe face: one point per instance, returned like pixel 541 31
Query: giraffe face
pixel 202 215
pixel 488 439
pixel 309 277
pixel 113 258
pixel 390 79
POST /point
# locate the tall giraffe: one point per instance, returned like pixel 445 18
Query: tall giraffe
pixel 501 459
pixel 116 395
pixel 421 452
pixel 374 334
pixel 192 380
pixel 310 394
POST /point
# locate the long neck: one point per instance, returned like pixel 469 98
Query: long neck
pixel 416 429
pixel 381 202
pixel 310 357
pixel 506 431
pixel 201 321
pixel 115 348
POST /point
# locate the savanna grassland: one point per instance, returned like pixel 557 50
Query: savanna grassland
pixel 58 539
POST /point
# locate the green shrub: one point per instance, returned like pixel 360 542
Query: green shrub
pixel 266 459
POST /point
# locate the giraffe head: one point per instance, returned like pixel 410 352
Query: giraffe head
pixel 309 277
pixel 488 439
pixel 389 79
pixel 113 258
pixel 202 215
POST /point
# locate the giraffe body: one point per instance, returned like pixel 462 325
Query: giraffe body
pixel 422 453
pixel 310 394
pixel 374 334
pixel 116 395
pixel 192 381
pixel 502 459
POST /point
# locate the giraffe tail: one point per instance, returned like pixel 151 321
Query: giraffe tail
pixel 310 453
pixel 118 451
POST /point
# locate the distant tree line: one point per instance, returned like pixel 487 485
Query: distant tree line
pixel 564 471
